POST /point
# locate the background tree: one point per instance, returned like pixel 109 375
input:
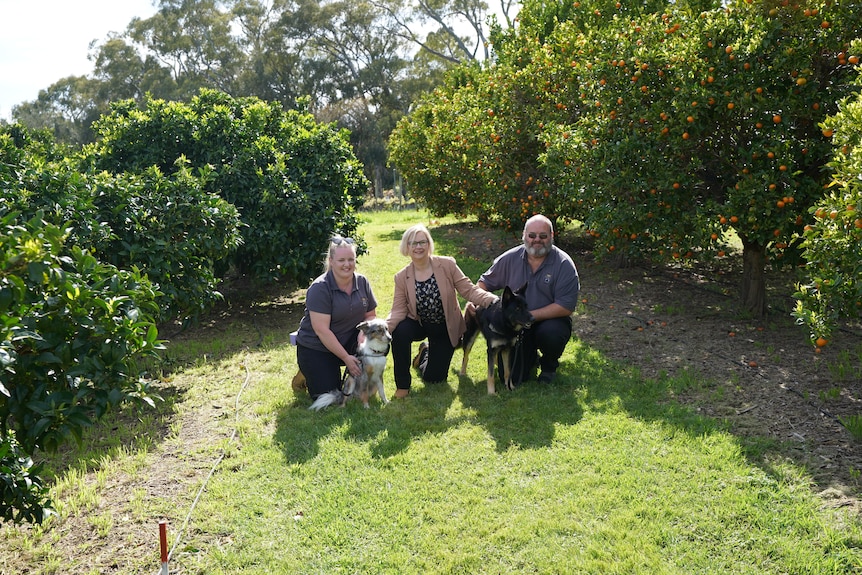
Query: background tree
pixel 361 63
pixel 833 239
pixel 295 181
pixel 663 127
pixel 67 108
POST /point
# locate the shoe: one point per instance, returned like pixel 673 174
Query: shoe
pixel 298 383
pixel 423 349
pixel 547 377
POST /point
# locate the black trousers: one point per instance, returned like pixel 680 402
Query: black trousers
pixel 322 369
pixel 548 337
pixel 440 351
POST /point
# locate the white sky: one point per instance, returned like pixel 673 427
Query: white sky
pixel 42 41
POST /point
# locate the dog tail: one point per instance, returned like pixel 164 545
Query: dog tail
pixel 334 397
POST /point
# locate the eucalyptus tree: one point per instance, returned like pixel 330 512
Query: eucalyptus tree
pixel 194 41
pixel 455 31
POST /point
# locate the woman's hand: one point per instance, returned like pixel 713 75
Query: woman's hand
pixel 354 365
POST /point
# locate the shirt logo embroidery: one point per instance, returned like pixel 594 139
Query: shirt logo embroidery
pixel 547 279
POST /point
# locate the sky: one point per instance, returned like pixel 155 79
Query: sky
pixel 43 41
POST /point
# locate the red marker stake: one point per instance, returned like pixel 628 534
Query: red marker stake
pixel 163 543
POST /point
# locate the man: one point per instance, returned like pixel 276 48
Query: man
pixel 552 295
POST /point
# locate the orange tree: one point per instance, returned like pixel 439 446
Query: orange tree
pixel 470 147
pixel 833 239
pixel 665 127
pixel 701 123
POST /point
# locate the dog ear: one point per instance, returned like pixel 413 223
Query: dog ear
pixel 522 289
pixel 362 326
pixel 507 294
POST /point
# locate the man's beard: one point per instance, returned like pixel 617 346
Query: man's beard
pixel 539 251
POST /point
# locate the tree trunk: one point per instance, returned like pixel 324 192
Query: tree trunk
pixel 378 181
pixel 753 289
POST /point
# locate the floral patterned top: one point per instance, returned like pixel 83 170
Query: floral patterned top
pixel 429 304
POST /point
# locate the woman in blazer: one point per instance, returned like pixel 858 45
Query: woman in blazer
pixel 425 306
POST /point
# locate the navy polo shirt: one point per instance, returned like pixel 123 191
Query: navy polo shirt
pixel 556 280
pixel 345 311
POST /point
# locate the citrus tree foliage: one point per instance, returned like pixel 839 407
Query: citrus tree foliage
pixel 168 226
pixel 833 238
pixel 79 252
pixel 172 228
pixel 71 332
pixel 295 181
pixel 661 126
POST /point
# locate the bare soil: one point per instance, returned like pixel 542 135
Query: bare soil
pixel 759 375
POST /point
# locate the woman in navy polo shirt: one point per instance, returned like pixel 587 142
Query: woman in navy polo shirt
pixel 335 303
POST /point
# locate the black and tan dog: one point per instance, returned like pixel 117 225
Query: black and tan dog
pixel 500 323
pixel 372 354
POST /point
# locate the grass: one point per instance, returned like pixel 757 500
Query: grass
pixel 601 472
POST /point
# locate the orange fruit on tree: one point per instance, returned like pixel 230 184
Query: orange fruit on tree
pixel 776 118
pixel 827 132
pixel 685 136
pixel 733 219
pixel 821 341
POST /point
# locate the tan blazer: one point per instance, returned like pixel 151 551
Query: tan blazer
pixel 450 279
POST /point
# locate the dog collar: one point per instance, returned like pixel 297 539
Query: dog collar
pixel 376 354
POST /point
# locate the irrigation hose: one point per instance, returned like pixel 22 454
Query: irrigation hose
pixel 215 465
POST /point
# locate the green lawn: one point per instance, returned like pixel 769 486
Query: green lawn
pixel 601 472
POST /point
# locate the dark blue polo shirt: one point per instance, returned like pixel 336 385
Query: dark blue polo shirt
pixel 556 280
pixel 345 311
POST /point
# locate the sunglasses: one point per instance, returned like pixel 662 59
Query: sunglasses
pixel 338 240
pixel 533 235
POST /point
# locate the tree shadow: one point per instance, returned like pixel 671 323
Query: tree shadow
pixel 389 429
pixel 526 417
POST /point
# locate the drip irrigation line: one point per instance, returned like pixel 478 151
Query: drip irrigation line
pixel 215 465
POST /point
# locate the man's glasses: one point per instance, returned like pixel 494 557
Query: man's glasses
pixel 338 240
pixel 419 244
pixel 533 235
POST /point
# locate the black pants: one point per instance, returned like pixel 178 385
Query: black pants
pixel 549 337
pixel 322 369
pixel 440 351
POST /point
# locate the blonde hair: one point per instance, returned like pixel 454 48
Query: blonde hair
pixel 334 243
pixel 410 234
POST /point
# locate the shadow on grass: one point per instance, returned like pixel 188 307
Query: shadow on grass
pixel 389 429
